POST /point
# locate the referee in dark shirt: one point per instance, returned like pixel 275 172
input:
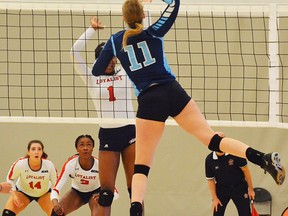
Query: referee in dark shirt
pixel 229 178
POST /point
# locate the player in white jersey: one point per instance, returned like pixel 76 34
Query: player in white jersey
pixel 31 178
pixel 111 94
pixel 83 170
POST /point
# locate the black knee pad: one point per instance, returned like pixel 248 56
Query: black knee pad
pixel 136 209
pixel 214 144
pixel 105 198
pixel 141 169
pixel 7 212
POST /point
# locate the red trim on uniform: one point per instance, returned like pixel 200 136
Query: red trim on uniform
pixel 13 166
pixel 63 170
pixel 115 189
pixel 56 190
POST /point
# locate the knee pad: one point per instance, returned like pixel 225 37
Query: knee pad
pixel 136 209
pixel 214 144
pixel 141 169
pixel 7 212
pixel 105 198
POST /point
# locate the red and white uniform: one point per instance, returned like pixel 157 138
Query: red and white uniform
pixel 32 183
pixel 111 94
pixel 82 180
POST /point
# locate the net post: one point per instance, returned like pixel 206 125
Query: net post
pixel 274 66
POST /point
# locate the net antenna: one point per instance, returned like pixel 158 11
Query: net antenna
pixel 232 59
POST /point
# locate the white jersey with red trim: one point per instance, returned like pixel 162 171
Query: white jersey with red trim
pixel 82 180
pixel 32 183
pixel 111 94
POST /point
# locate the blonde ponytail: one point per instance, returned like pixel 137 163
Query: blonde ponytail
pixel 131 32
pixel 133 14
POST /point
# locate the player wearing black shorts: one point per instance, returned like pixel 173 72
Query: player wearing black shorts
pixel 141 53
pixel 31 178
pixel 112 99
pixel 82 169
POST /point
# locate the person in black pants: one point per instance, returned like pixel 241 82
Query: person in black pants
pixel 229 178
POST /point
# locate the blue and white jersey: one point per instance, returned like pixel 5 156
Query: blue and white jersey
pixel 143 58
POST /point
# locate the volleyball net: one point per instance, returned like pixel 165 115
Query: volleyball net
pixel 231 59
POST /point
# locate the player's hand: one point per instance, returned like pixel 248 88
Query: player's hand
pixel 251 193
pixel 215 203
pixel 96 23
pixel 95 197
pixel 58 209
pixel 6 187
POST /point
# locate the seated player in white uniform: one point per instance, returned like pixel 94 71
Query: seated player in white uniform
pixel 31 178
pixel 82 168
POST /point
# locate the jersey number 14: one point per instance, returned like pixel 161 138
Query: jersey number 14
pixel 36 185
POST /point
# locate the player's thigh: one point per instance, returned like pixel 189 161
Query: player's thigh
pixel 11 205
pixel 45 203
pixel 108 168
pixel 128 158
pixel 192 120
pixel 148 134
pixel 71 201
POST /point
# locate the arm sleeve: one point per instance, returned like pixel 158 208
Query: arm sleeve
pixel 75 53
pixel 14 174
pixel 167 19
pixel 61 181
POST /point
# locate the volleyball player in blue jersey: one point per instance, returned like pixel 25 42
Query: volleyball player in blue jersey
pixel 141 54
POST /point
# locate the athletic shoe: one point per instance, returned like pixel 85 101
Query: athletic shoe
pixel 273 167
